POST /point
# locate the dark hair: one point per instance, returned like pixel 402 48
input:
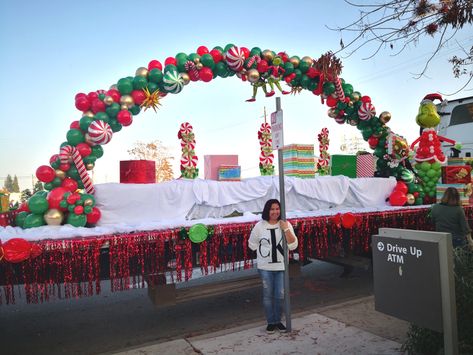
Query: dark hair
pixel 267 207
pixel 451 197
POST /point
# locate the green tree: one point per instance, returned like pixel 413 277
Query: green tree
pixel 25 195
pixel 8 183
pixel 38 186
pixel 16 185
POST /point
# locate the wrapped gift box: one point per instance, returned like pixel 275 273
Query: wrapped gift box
pixel 343 165
pixel 463 189
pixel 298 160
pixel 4 200
pixel 213 162
pixel 229 173
pixel 456 174
pixel 455 161
pixel 137 171
pixel 365 165
pixel 8 218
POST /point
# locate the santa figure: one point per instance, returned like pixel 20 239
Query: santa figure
pixel 429 149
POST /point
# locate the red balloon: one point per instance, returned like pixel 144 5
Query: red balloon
pixel 337 219
pixel 55 196
pixel 373 141
pixel 114 94
pixel 262 66
pixel 23 207
pixel 65 166
pixel 53 158
pixel 69 184
pixel 138 96
pixel 216 55
pixel 155 64
pixel 17 250
pixel 124 118
pixel 312 72
pixel 98 106
pixel 79 209
pixel 245 51
pixel 45 173
pixel 283 56
pixel 74 125
pixel 94 216
pixel 206 74
pixel 170 60
pixel 84 149
pixel 401 186
pixel 331 101
pixel 82 103
pixel 365 99
pixel 79 95
pixel 348 220
pixel 397 198
pixel 202 50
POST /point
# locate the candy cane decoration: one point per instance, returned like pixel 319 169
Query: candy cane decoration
pixel 266 157
pixel 255 58
pixel 67 152
pixel 323 163
pixel 189 159
pixel 192 69
pixel 339 90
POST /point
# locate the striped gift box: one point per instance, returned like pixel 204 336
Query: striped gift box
pixel 365 165
pixel 229 173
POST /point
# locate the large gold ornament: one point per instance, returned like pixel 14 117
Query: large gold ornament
pixel 253 75
pixel 127 100
pixel 141 71
pixel 268 55
pixel 410 199
pixel 53 217
pixel 151 100
pixel 385 117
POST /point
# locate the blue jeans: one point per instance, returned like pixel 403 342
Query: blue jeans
pixel 273 294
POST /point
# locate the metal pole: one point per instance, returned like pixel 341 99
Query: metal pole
pixel 282 200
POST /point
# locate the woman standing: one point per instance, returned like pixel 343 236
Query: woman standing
pixel 266 239
pixel 448 216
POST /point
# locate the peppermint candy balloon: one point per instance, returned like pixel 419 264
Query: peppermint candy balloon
pixel 173 83
pixel 185 128
pixel 188 145
pixel 266 159
pixel 366 111
pixel 100 132
pixel 265 128
pixel 235 58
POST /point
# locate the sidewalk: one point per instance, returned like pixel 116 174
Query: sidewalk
pixel 352 327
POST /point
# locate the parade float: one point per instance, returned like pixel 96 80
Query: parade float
pixel 54 243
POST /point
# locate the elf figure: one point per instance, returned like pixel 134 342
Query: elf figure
pixel 429 149
pixel 275 73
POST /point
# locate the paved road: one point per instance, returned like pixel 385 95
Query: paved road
pixel 115 321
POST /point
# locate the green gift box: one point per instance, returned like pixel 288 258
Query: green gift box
pixel 343 165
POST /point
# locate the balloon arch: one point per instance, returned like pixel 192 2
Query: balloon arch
pixel 106 112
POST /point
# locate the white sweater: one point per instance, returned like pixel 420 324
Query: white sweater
pixel 266 239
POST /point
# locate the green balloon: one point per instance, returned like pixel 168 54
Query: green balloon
pixel 101 116
pixel 155 76
pixel 38 204
pixel 304 66
pixel 228 46
pixel 63 204
pixel 425 166
pixel 221 69
pixel 85 122
pixel 74 137
pixel 20 218
pixel 112 110
pixel 97 150
pixel 181 56
pixel 88 209
pixel 125 86
pixel 152 87
pixel 305 80
pixel 220 49
pixel 73 173
pixel 135 109
pixel 289 68
pixel 170 68
pixel 77 220
pixel 347 89
pixel 436 166
pixel 115 125
pixel 431 173
pixel 139 82
pixel 48 186
pixel 313 85
pixel 193 57
pixel 379 152
pixel 56 182
pixel 328 88
pixel 298 74
pixel 198 233
pixel 33 220
pixel 419 200
pixel 41 193
pixel 90 159
pixel 56 163
pixel 208 61
pixel 181 65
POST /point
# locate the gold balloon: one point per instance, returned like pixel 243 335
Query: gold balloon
pixel 90 166
pixel 108 100
pixel 253 75
pixel 199 65
pixel 385 117
pixel 88 114
pixel 243 72
pixel 410 199
pixel 355 96
pixel 123 107
pixel 307 59
pixel 268 55
pixel 141 71
pixel 88 202
pixel 332 113
pixel 295 61
pixel 127 100
pixel 196 60
pixel 185 78
pixel 60 174
pixel 53 217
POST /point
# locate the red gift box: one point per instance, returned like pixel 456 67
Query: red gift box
pixel 137 171
pixel 365 165
pixel 8 218
pixel 456 174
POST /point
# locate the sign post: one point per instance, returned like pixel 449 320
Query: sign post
pixel 277 133
pixel 413 280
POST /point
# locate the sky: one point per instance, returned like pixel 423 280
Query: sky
pixel 52 50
